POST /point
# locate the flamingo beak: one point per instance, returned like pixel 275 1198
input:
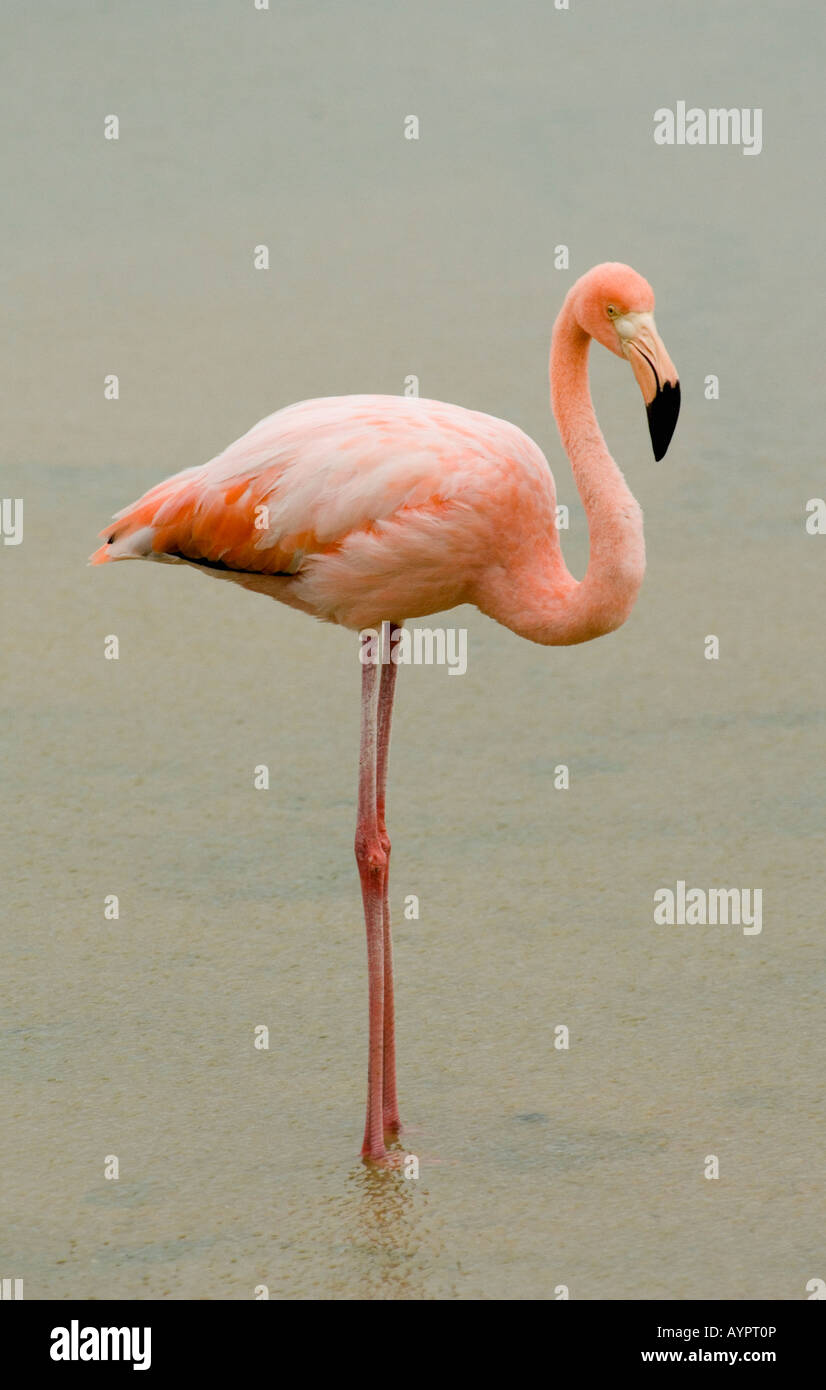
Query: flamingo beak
pixel 656 375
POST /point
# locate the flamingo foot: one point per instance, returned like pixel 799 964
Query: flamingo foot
pixel 395 1159
pixel 390 1159
pixel 392 1155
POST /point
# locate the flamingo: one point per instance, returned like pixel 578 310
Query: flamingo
pixel 371 510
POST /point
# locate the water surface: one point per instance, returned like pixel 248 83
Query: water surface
pixel 539 1168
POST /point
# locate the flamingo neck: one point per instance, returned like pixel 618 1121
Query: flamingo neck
pixel 602 600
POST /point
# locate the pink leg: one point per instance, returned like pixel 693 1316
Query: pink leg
pixel 372 863
pixel 392 1123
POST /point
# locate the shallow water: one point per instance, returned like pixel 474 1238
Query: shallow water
pixel 540 1168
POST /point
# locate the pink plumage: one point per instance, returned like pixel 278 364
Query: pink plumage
pixel 354 508
pixel 365 509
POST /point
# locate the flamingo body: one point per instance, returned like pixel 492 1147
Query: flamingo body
pixel 362 510
pixel 376 507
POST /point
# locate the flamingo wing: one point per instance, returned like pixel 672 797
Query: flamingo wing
pixel 348 495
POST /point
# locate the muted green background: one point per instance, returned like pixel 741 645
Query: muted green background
pixel 390 257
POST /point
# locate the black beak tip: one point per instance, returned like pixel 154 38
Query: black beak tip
pixel 662 417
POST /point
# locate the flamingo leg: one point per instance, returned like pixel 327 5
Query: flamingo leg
pixel 372 864
pixel 387 686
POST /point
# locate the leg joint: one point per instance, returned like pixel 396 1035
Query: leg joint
pixel 370 853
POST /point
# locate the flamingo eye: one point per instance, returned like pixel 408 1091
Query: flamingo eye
pixel 612 313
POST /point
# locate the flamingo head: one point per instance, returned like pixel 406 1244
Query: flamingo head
pixel 613 304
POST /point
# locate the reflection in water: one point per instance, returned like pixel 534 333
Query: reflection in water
pixel 384 1209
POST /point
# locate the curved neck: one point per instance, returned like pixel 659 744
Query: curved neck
pixel 531 591
pixel 616 564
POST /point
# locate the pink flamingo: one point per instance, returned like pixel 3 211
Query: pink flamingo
pixel 366 509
